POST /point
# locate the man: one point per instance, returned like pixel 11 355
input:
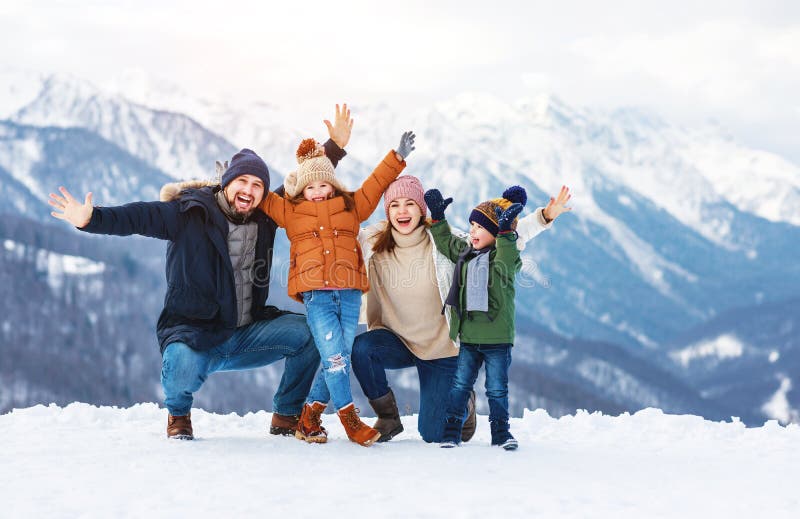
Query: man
pixel 218 268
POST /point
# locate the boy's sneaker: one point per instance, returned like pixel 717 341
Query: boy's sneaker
pixel 501 436
pixel 510 444
pixel 452 432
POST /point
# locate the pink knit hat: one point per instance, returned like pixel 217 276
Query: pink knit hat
pixel 407 186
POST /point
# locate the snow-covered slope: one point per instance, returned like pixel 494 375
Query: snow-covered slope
pixel 41 159
pixel 84 461
pixel 272 131
pixel 170 141
pixel 18 88
pixel 748 357
pixel 681 169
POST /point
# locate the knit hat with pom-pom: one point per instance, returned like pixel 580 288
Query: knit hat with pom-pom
pixel 484 214
pixel 313 165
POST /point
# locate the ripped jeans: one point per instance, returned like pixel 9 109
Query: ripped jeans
pixel 333 318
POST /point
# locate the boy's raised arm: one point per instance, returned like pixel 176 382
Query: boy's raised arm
pixel 507 261
pixel 446 242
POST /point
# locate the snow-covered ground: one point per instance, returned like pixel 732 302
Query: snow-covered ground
pixel 85 461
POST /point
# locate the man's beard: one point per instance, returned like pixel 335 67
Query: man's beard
pixel 230 212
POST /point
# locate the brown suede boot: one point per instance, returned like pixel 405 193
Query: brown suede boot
pixel 180 427
pixel 388 422
pixel 283 425
pixel 468 429
pixel 357 430
pixel 309 427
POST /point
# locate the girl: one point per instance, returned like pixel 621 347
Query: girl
pixel 327 273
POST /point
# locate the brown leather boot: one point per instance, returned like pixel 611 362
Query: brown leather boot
pixel 388 422
pixel 180 427
pixel 283 425
pixel 309 427
pixel 468 429
pixel 357 430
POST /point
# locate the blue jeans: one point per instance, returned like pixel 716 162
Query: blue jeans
pixel 470 357
pixel 183 370
pixel 378 350
pixel 333 318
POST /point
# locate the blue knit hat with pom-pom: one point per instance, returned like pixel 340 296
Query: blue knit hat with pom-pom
pixel 484 213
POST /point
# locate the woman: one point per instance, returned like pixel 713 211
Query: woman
pixel 409 281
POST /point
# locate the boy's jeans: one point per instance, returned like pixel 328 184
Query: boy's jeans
pixel 183 370
pixel 378 350
pixel 333 319
pixel 498 359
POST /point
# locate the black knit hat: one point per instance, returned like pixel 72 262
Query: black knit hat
pixel 246 162
pixel 484 214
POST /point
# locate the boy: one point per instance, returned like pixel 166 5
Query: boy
pixel 481 301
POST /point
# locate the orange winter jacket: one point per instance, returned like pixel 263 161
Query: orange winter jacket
pixel 324 251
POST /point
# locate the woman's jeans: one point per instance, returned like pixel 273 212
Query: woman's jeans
pixel 183 370
pixel 378 350
pixel 333 318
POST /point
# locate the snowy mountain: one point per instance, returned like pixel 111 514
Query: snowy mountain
pixel 172 142
pixel 78 313
pixel 39 159
pixel 559 374
pixel 113 462
pixel 748 357
pixel 661 239
pixel 637 182
pixel 272 131
pixel 651 248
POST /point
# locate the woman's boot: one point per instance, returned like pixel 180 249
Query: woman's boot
pixel 388 423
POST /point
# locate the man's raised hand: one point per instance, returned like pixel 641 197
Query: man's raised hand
pixel 339 131
pixel 69 209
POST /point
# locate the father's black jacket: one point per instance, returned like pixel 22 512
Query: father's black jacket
pixel 200 303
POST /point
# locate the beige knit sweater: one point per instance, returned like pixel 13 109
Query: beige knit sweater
pixel 404 296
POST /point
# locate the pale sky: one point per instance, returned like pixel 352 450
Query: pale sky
pixel 734 62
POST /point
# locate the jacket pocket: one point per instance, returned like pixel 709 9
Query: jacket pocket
pixel 304 262
pixel 190 303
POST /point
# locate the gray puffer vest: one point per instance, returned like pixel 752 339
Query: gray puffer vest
pixel 242 248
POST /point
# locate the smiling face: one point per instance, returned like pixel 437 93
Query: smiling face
pixel 404 215
pixel 244 193
pixel 479 237
pixel 318 191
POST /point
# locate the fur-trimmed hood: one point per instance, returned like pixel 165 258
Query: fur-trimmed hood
pixel 173 190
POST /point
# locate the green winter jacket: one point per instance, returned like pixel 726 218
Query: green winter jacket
pixel 497 325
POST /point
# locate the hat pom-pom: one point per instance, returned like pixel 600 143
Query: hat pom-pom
pixel 309 149
pixel 516 195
